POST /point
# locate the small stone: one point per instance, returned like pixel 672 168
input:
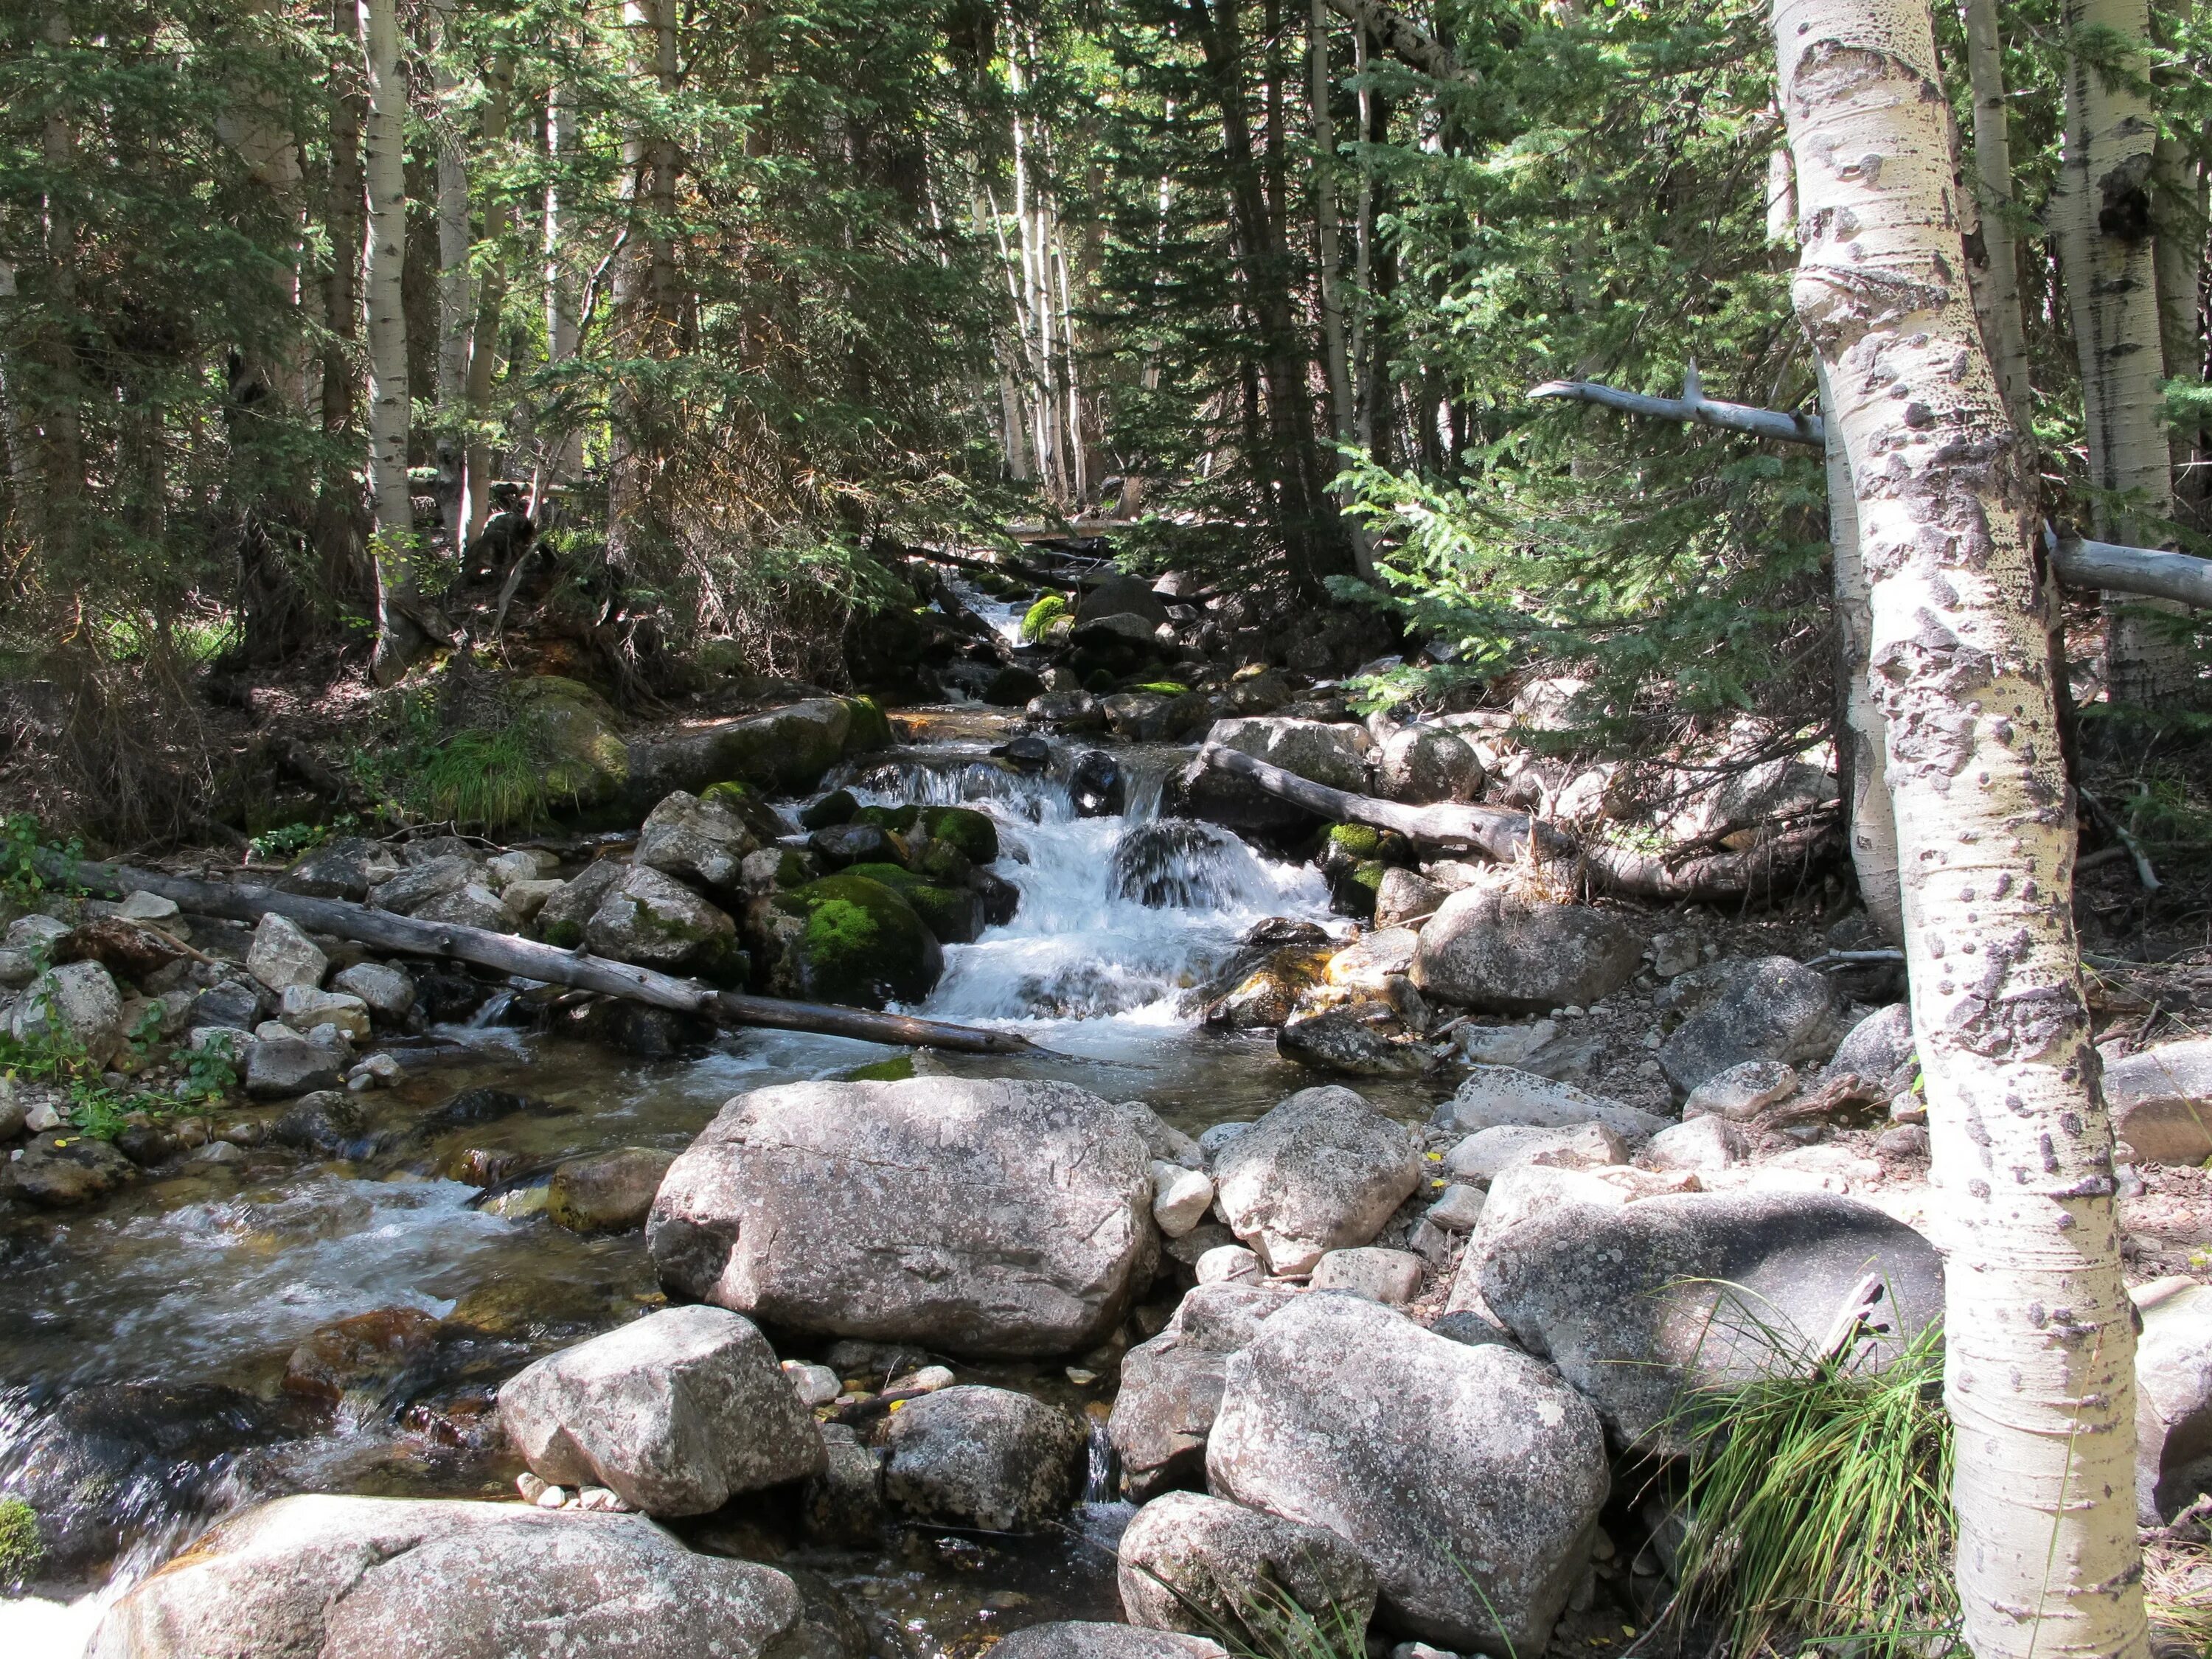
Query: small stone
pixel 305 1008
pixel 1230 1264
pixel 600 1501
pixel 817 1385
pixel 530 1487
pixel 1742 1092
pixel 1379 1275
pixel 42 1117
pixel 1457 1209
pixel 143 906
pixel 283 955
pixel 1180 1197
pixel 389 993
pixel 220 1151
pixel 1905 1141
pixel 928 1380
pixel 1081 1378
pixel 552 1498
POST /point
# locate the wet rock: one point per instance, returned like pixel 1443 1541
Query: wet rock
pixel 1011 687
pixel 1026 753
pixel 1174 864
pixel 954 916
pixel 1320 1171
pixel 388 992
pixel 1422 764
pixel 1635 1301
pixel 1403 897
pixel 1097 785
pixel 75 1006
pixel 696 841
pixel 110 1461
pixel 842 844
pixel 278 1067
pixel 973 832
pixel 676 1413
pixel 608 1191
pixel 834 808
pixel 64 1171
pixel 1768 1009
pixel 1339 1043
pixel 1192 1563
pixel 1494 951
pixel 1000 898
pixel 1267 993
pixel 447 996
pixel 843 1504
pixel 303 1008
pixel 1703 1143
pixel 370 1353
pixel 1137 716
pixel 1741 1092
pixel 562 919
pixel 2173 1397
pixel 1493 1095
pixel 1070 711
pixel 1469 1479
pixel 283 955
pixel 656 921
pixel 853 940
pixel 984 1457
pixel 1074 1640
pixel 405 1578
pixel 643 1032
pixel 982 1216
pixel 328 1120
pixel 472 1107
pixel 2161 1102
pixel 1370 961
pixel 344 868
pixel 1391 1276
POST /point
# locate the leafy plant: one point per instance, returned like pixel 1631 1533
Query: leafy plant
pixel 288 842
pixel 21 1548
pixel 25 856
pixel 1265 1621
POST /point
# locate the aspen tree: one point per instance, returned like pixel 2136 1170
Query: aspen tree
pixel 2040 1369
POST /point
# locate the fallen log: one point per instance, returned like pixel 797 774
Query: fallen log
pixel 1027 573
pixel 528 958
pixel 1498 831
pixel 1714 876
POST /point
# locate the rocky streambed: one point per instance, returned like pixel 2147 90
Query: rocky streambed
pixel 1375 1255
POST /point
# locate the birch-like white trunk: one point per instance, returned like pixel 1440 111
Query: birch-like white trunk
pixel 483 330
pixel 2102 212
pixel 384 168
pixel 456 291
pixel 563 333
pixel 2039 1356
pixel 1997 278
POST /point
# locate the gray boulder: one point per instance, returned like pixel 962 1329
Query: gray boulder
pixel 75 1006
pixel 657 921
pixel 2161 1102
pixel 1703 1143
pixel 407 892
pixel 1497 952
pixel 278 1067
pixel 344 868
pixel 984 1457
pixel 1468 1478
pixel 1402 897
pixel 2173 1398
pixel 675 1413
pixel 565 915
pixel 979 1215
pixel 1320 752
pixel 317 1577
pixel 1338 1042
pixel 470 905
pixel 388 992
pixel 1195 1563
pixel 1072 1639
pixel 1877 1045
pixel 1422 764
pixel 699 841
pixel 1493 1096
pixel 1171 1385
pixel 1122 596
pixel 1322 1170
pixel 1771 1008
pixel 281 955
pixel 1488 1153
pixel 1638 1302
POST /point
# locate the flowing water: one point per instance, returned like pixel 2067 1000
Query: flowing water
pixel 210 1278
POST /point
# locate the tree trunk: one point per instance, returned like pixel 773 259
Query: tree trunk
pixel 642 286
pixel 563 334
pixel 60 403
pixel 1344 416
pixel 2103 216
pixel 2039 1366
pixel 1995 262
pixel 456 288
pixel 2179 220
pixel 491 299
pixel 399 639
pixel 338 509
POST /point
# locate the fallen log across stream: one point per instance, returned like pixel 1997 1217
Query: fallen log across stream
pixel 1504 834
pixel 550 963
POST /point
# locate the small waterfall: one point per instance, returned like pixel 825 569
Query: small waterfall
pixel 1101 1468
pixel 493 1012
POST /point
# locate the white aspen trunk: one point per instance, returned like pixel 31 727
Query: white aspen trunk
pixel 1998 271
pixel 1363 248
pixel 982 205
pixel 456 292
pixel 23 458
pixel 2039 1376
pixel 562 335
pixel 2179 203
pixel 483 336
pixel 384 168
pixel 1070 365
pixel 1343 421
pixel 2102 213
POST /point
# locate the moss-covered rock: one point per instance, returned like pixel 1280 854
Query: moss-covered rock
pixel 1041 615
pixel 871 728
pixel 573 728
pixel 1352 892
pixel 751 807
pixel 833 809
pixel 884 1071
pixel 954 913
pixel 971 831
pixel 858 942
pixel 655 921
pixel 896 819
pixel 21 1548
pixel 942 862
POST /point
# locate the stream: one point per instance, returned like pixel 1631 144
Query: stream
pixel 209 1279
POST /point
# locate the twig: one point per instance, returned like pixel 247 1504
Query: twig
pixel 1857 958
pixel 2146 877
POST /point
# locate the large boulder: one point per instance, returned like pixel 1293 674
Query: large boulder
pixel 1197 1564
pixel 319 1577
pixel 345 867
pixel 1171 1385
pixel 76 1008
pixel 656 921
pixel 695 840
pixel 411 890
pixel 609 1192
pixel 282 954
pixel 1637 1303
pixel 1422 764
pixel 63 1171
pixel 1496 1095
pixel 1334 754
pixel 1468 1478
pixel 279 1067
pixel 847 939
pixel 1122 596
pixel 1076 1639
pixel 979 1216
pixel 788 748
pixel 675 1413
pixel 578 736
pixel 2173 1398
pixel 1489 949
pixel 567 911
pixel 1322 1170
pixel 1771 1008
pixel 2161 1102
pixel 984 1457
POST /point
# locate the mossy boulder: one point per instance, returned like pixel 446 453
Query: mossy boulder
pixel 971 831
pixel 650 918
pixel 858 943
pixel 21 1548
pixel 942 862
pixel 1352 892
pixel 954 913
pixel 834 808
pixel 1040 617
pixel 896 819
pixel 1347 846
pixel 750 806
pixel 884 1071
pixel 871 728
pixel 574 730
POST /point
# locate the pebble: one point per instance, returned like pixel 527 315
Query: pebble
pixel 1230 1264
pixel 530 1487
pixel 817 1385
pixel 1180 1197
pixel 1905 1141
pixel 552 1499
pixel 222 1152
pixel 41 1118
pixel 928 1380
pixel 599 1498
pixel 1081 1378
pixel 1457 1209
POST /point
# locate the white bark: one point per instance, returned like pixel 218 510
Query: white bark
pixel 563 336
pixel 483 334
pixel 456 292
pixel 384 166
pixel 1997 278
pixel 2039 1358
pixel 2103 216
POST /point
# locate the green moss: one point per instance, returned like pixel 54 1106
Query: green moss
pixel 1369 875
pixel 566 934
pixel 871 727
pixel 884 1071
pixel 1041 615
pixel 944 864
pixel 896 819
pixel 950 913
pixel 862 943
pixel 969 830
pixel 1163 687
pixel 834 808
pixel 1358 841
pixel 21 1548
